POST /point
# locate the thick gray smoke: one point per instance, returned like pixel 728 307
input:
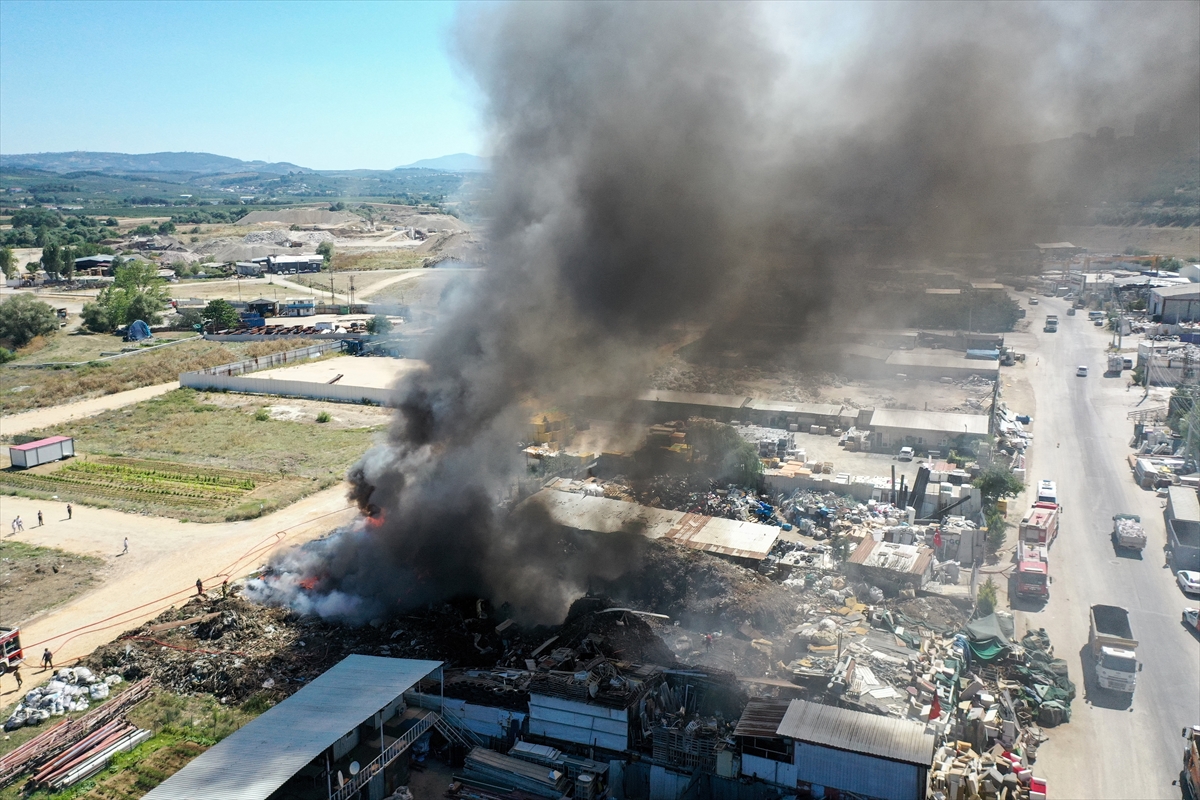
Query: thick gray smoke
pixel 661 166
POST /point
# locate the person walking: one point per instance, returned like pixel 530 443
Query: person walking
pixel 20 524
pixel 199 587
pixel 47 659
pixel 125 549
pixel 69 511
pixel 17 675
pixel 14 526
pixel 40 522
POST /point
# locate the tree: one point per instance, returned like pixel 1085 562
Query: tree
pixel 136 293
pixel 96 318
pixel 221 314
pixel 986 601
pixel 996 482
pixel 996 528
pixel 166 228
pixel 111 222
pixel 325 249
pixel 22 318
pixel 52 260
pixel 379 324
pixel 35 218
pixel 66 262
pixel 143 230
pixel 7 263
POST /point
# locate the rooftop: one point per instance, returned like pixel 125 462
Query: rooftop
pixel 694 398
pixel 40 443
pixel 908 558
pixel 711 534
pixel 254 761
pixel 761 717
pixel 858 732
pixel 953 359
pixel 1180 290
pixel 1184 503
pixel 941 421
pixel 815 409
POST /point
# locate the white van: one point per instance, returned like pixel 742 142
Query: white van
pixel 1081 371
pixel 1047 492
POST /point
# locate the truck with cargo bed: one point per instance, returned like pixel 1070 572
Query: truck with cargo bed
pixel 1114 648
pixel 1033 571
pixel 1128 533
pixel 10 648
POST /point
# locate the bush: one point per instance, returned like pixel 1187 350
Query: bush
pixel 262 415
pixel 96 318
pixel 323 417
pixel 379 324
pixel 985 603
pixel 6 355
pixel 996 482
pixel 22 318
pixel 996 527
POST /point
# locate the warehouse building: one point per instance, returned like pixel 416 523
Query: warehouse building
pixel 818 748
pixel 340 735
pixel 893 428
pixel 1175 304
pixel 43 451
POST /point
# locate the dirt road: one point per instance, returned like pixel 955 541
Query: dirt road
pixel 165 558
pixel 39 418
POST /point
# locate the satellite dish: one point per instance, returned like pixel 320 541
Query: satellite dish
pixel 354 767
pixel 341 779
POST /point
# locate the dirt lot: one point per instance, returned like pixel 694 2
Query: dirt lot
pixel 1181 242
pixel 160 457
pixel 34 579
pixel 80 345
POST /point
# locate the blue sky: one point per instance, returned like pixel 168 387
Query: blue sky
pixel 323 85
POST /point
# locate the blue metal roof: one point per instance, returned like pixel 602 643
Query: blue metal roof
pixel 858 732
pixel 257 759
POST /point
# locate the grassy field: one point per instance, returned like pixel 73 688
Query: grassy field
pixel 83 346
pixel 395 258
pixel 183 727
pixel 180 456
pixel 25 389
pixel 35 579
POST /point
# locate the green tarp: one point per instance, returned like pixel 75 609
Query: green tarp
pixel 985 638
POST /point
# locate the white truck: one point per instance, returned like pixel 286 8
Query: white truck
pixel 1128 533
pixel 1114 649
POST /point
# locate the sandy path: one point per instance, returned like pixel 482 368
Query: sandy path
pixel 39 418
pixel 165 559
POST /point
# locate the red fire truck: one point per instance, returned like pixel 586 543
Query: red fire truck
pixel 1033 571
pixel 10 648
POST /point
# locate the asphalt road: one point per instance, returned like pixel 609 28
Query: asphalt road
pixel 1115 746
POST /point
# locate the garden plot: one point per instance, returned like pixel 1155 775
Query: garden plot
pixel 179 456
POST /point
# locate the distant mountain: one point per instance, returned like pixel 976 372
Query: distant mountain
pixel 459 162
pixel 201 163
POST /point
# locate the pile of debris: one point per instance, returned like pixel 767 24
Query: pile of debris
pixel 71 690
pixel 960 773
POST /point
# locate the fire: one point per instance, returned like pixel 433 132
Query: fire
pixel 309 583
pixel 375 520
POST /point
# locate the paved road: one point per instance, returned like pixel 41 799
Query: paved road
pixel 1113 748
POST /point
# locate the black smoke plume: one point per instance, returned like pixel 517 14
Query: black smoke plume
pixel 731 168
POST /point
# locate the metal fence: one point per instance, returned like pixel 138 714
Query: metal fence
pixel 267 362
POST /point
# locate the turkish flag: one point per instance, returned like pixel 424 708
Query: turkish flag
pixel 937 538
pixel 935 709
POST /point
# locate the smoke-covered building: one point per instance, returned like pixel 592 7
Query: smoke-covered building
pixel 893 428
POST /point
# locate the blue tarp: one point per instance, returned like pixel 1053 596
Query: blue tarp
pixel 138 331
pixel 984 355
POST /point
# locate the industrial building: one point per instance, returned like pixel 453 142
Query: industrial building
pixel 1182 518
pixel 818 748
pixel 1175 304
pixel 1169 363
pixel 893 428
pixel 728 537
pixel 891 564
pixel 937 364
pixel 663 406
pixel 290 265
pixel 340 734
pixel 43 451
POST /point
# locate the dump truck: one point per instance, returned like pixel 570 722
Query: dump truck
pixel 1128 533
pixel 1040 524
pixel 1114 649
pixel 1116 363
pixel 1033 571
pixel 1051 324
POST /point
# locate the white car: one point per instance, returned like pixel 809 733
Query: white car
pixel 1191 618
pixel 905 454
pixel 1188 581
pixel 1081 371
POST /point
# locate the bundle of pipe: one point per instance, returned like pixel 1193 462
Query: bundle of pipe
pixel 85 760
pixel 48 744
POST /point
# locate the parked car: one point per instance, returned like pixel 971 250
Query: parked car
pixel 1081 371
pixel 1099 323
pixel 1188 581
pixel 905 454
pixel 1033 301
pixel 1191 618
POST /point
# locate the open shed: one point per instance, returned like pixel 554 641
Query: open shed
pixel 43 451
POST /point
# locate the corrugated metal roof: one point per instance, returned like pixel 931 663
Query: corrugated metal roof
pixel 907 558
pixel 815 409
pixel 858 732
pixel 257 759
pixel 604 515
pixel 1184 503
pixel 1181 290
pixel 695 398
pixel 761 717
pixel 40 443
pixel 936 421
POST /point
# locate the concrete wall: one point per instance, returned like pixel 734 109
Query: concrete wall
pixel 894 438
pixel 304 389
